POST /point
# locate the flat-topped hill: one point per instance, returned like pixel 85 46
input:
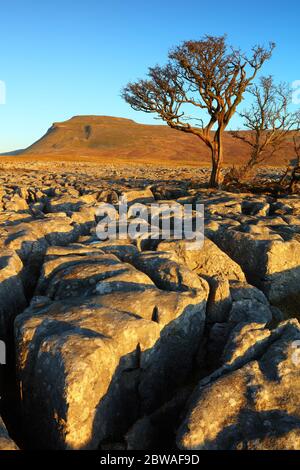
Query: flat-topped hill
pixel 113 139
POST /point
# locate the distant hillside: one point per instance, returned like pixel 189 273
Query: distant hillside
pixel 116 139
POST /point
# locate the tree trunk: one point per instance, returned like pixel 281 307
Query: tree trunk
pixel 216 176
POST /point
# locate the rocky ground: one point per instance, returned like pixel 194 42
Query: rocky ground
pixel 146 343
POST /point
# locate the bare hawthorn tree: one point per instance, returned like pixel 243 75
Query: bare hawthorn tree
pixel 205 76
pixel 269 121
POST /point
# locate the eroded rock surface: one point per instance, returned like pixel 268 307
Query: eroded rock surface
pixel 258 403
pixel 104 344
pixel 147 342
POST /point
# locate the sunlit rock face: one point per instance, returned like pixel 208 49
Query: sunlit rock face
pixel 270 262
pixel 101 343
pixel 12 298
pixel 144 342
pixel 6 443
pixel 206 260
pixel 258 402
pixel 266 246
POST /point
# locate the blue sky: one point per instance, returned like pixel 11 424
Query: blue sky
pixel 61 58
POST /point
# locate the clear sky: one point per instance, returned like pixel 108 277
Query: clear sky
pixel 61 58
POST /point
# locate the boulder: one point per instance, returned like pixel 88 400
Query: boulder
pixel 138 196
pixel 255 406
pixel 269 262
pixel 166 273
pixel 77 365
pixel 89 365
pixel 65 203
pixel 249 311
pixel 16 204
pixel 89 274
pixel 31 240
pixel 85 218
pixel 123 249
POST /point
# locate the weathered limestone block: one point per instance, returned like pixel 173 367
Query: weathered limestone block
pixel 14 218
pixel 12 298
pixel 207 260
pixel 224 209
pixel 270 263
pixel 78 275
pixel 16 203
pixel 165 272
pixel 245 341
pixel 253 407
pixel 64 203
pixel 123 249
pixel 249 311
pixel 107 195
pixel 292 202
pixel 78 249
pixel 85 218
pixel 90 365
pixel 25 239
pixel 138 196
pixel 73 361
pixel 243 291
pixel 58 229
pixel 168 191
pixel 31 240
pixel 85 366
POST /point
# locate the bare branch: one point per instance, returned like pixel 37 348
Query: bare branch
pixel 206 75
pixel 268 119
